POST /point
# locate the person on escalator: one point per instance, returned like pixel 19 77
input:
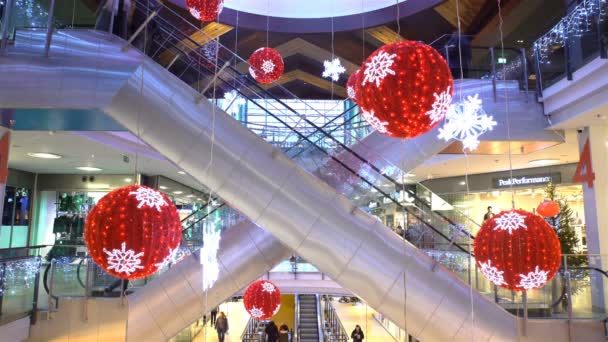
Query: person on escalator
pixel 357 334
pixel 284 333
pixel 272 332
pixel 221 326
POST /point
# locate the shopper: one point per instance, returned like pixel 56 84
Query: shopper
pixel 284 333
pixel 272 332
pixel 221 326
pixel 214 315
pixel 357 334
pixel 488 214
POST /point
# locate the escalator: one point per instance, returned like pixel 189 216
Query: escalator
pixel 303 212
pixel 308 318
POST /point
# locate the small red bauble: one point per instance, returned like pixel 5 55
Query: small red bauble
pixel 405 90
pixel 205 10
pixel 548 209
pixel 517 250
pixel 352 86
pixel 266 65
pixel 133 231
pixel 262 299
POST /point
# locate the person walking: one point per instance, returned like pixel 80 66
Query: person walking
pixel 357 334
pixel 214 315
pixel 221 326
pixel 284 333
pixel 489 214
pixel 272 332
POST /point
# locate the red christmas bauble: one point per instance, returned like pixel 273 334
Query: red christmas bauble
pixel 517 250
pixel 548 209
pixel 405 90
pixel 133 231
pixel 352 86
pixel 205 10
pixel 266 65
pixel 262 299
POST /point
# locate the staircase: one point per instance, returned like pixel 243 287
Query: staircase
pixel 309 324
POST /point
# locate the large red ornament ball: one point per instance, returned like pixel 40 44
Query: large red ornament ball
pixel 205 10
pixel 133 232
pixel 266 65
pixel 548 209
pixel 352 85
pixel 262 299
pixel 517 250
pixel 406 89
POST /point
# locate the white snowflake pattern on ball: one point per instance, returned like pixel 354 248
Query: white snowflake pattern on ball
pixel 510 221
pixel 373 121
pixel 220 6
pixel 267 66
pixel 276 310
pixel 167 260
pixel 441 106
pixel 196 14
pixel 268 287
pixel 123 260
pixel 534 279
pixel 256 312
pixel 378 68
pixel 492 273
pixel 333 69
pixel 252 72
pixel 350 91
pixel 149 197
pixel 466 122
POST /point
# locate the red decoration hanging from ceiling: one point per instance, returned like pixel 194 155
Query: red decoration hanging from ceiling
pixel 133 231
pixel 405 90
pixel 517 250
pixel 262 299
pixel 266 65
pixel 352 86
pixel 548 209
pixel 205 10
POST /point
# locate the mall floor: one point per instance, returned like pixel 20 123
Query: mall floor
pixel 237 321
pixel 361 314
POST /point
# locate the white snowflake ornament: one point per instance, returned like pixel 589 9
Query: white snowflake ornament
pixel 333 69
pixel 441 106
pixel 373 121
pixel 378 68
pixel 492 273
pixel 149 197
pixel 466 122
pixel 256 312
pixel 268 287
pixel 510 221
pixel 123 260
pixel 533 280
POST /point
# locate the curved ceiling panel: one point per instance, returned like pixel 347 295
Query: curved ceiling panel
pixel 308 8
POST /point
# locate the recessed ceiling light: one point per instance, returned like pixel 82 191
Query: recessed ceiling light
pixel 198 199
pixel 88 168
pixel 543 161
pixel 190 196
pixel 463 183
pixel 128 180
pixel 181 172
pixel 44 155
pixel 178 192
pixel 162 187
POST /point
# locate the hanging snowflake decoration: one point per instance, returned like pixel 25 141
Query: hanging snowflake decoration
pixel 149 197
pixel 534 279
pixel 492 273
pixel 378 68
pixel 256 312
pixel 376 124
pixel 168 259
pixel 234 102
pixel 268 287
pixel 333 69
pixel 208 254
pixel 466 122
pixel 510 221
pixel 441 106
pixel 124 260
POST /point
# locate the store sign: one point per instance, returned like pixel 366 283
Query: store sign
pixel 527 180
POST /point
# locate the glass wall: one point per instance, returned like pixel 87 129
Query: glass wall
pixel 15 217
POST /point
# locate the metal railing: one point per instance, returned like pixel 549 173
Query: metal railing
pixel 333 328
pixel 252 331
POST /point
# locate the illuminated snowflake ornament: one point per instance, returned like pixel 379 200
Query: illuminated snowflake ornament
pixel 149 197
pixel 256 312
pixel 234 102
pixel 466 122
pixel 123 260
pixel 268 287
pixel 168 259
pixel 267 66
pixel 333 69
pixel 441 106
pixel 510 221
pixel 534 279
pixel 208 255
pixel 378 68
pixel 376 124
pixel 492 273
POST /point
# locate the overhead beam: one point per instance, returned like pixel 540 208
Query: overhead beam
pixel 382 35
pixel 467 11
pixel 201 37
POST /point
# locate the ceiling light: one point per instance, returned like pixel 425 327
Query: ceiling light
pixel 198 199
pixel 543 161
pixel 410 175
pixel 190 196
pixel 88 168
pixel 463 183
pixel 44 155
pixel 181 172
pixel 178 192
pixel 162 187
pixel 128 180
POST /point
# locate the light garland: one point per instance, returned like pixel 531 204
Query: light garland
pixel 578 22
pixel 18 274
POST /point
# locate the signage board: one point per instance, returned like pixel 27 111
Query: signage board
pixel 528 180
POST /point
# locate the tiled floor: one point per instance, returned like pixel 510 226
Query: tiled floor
pixel 237 320
pixel 351 315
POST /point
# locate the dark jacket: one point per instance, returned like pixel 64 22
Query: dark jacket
pixel 272 332
pixel 221 324
pixel 357 336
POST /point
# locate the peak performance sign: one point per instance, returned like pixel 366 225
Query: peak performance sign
pixel 527 180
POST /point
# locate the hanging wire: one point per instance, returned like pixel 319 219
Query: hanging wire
pixel 398 20
pixel 333 55
pixel 267 22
